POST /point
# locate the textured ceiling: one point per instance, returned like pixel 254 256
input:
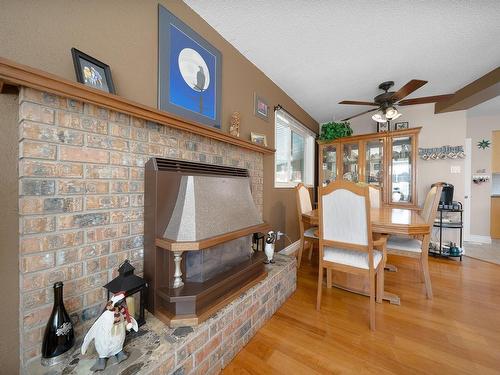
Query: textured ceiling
pixel 321 52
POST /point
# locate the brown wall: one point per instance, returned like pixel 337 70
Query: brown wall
pixel 123 34
pixel 9 255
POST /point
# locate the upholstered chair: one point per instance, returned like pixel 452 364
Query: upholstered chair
pixel 307 236
pixel 418 248
pixel 345 239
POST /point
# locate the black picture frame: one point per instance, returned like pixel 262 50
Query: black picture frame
pixel 401 125
pixel 89 70
pixel 175 94
pixel 383 127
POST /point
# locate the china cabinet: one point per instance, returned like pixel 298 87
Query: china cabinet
pixel 386 160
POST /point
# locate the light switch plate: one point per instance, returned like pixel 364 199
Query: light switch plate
pixel 455 169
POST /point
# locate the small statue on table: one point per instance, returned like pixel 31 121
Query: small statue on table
pixel 234 129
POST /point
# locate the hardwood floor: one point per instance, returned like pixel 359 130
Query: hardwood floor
pixel 458 332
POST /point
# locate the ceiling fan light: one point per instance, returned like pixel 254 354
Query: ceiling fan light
pixel 391 113
pixel 379 117
pixel 397 115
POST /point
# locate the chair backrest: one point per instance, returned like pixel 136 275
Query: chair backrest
pixel 375 196
pixel 303 204
pixel 429 210
pixel 303 199
pixel 345 216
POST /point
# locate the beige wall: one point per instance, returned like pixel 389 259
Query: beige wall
pixel 123 34
pixel 480 127
pixel 9 255
pixel 437 130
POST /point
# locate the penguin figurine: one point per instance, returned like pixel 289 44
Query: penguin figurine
pixel 108 332
pixel 269 247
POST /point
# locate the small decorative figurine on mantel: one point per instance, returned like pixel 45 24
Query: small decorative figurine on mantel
pixel 269 248
pixel 108 332
pixel 234 129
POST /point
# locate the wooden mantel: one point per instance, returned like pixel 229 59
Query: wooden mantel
pixel 13 74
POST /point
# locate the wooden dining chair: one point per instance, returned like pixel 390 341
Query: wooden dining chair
pixel 345 238
pixel 307 236
pixel 419 247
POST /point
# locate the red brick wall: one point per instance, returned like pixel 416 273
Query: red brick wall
pixel 81 200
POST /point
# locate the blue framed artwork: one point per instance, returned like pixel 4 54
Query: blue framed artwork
pixel 189 72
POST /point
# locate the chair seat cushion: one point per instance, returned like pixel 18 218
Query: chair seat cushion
pixel 310 232
pixel 404 244
pixel 351 258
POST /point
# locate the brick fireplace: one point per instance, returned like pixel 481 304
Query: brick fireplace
pixel 81 185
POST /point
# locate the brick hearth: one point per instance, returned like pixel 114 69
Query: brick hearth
pixel 202 350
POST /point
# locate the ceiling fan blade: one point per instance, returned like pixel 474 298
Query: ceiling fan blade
pixel 407 89
pixel 355 102
pixel 359 114
pixel 425 99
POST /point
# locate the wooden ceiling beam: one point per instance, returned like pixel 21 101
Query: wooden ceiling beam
pixel 477 92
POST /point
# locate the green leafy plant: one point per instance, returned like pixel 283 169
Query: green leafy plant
pixel 333 130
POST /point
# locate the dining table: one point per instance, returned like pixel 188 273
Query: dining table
pixel 385 220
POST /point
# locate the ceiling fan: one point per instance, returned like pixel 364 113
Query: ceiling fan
pixel 386 102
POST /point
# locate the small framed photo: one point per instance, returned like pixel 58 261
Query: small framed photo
pixel 261 108
pixel 382 127
pixel 401 125
pixel 259 139
pixel 92 72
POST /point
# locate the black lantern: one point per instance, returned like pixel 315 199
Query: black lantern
pixel 258 241
pixel 129 283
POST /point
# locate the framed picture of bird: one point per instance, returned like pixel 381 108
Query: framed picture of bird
pixel 189 72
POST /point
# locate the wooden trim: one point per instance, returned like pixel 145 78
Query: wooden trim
pixel 14 74
pixel 8 89
pixel 353 138
pixel 170 245
pixel 477 92
pixel 495 151
pixel 495 218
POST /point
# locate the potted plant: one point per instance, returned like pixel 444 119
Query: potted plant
pixel 333 130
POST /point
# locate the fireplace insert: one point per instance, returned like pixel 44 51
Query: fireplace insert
pixel 199 222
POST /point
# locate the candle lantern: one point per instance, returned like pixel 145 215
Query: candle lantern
pixel 258 241
pixel 131 285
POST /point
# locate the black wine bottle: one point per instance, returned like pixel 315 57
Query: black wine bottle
pixel 59 336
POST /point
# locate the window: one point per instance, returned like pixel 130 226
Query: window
pixel 294 158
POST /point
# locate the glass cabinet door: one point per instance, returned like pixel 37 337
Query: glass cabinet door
pixel 350 161
pixel 329 164
pixel 401 170
pixel 374 162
